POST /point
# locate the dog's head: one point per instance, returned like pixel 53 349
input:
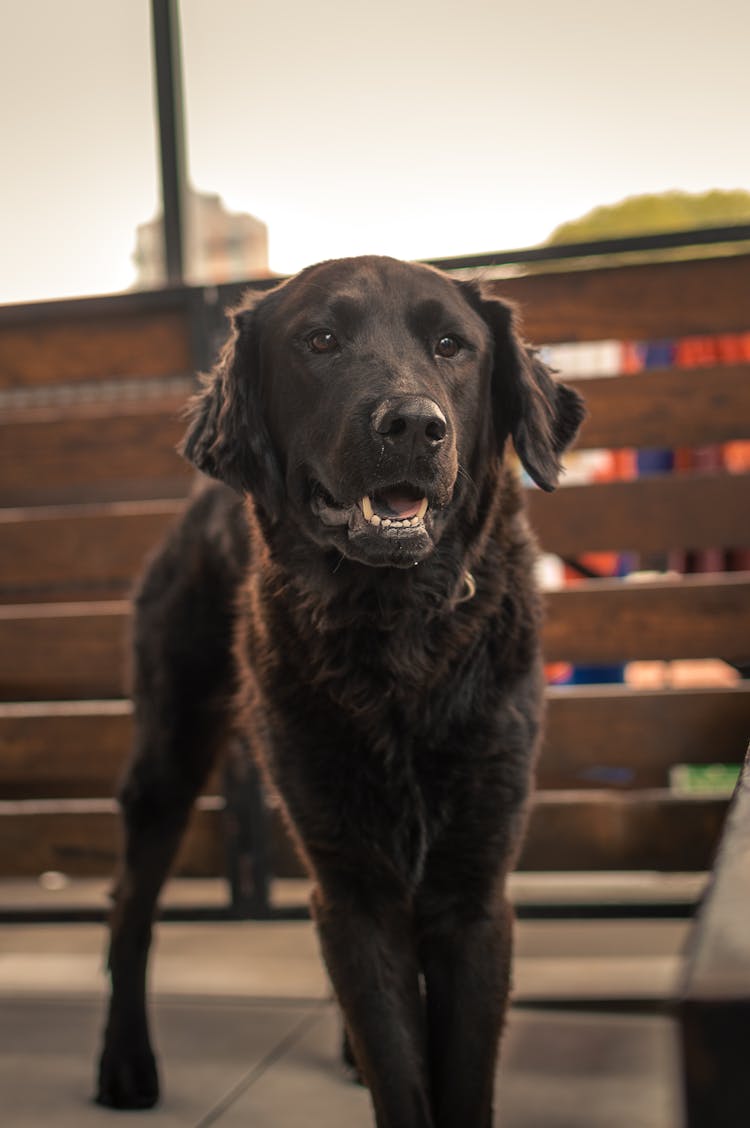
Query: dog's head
pixel 364 399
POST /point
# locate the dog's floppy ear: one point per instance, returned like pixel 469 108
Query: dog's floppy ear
pixel 541 414
pixel 227 437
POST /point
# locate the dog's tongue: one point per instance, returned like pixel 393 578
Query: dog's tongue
pixel 401 504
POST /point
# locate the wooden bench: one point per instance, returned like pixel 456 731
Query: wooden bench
pixel 89 480
pixel 714 1007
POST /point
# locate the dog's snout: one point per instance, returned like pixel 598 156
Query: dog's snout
pixel 409 418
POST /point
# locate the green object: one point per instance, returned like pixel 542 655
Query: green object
pixel 704 779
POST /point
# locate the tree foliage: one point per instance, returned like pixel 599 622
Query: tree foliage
pixel 649 214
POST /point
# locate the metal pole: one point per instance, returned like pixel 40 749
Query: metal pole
pixel 168 75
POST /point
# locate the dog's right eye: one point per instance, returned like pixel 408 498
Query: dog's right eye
pixel 322 341
pixel 448 347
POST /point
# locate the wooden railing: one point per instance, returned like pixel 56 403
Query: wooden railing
pixel 92 393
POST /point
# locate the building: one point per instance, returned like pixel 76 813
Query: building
pixel 220 246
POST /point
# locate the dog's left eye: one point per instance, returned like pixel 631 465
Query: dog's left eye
pixel 322 341
pixel 448 347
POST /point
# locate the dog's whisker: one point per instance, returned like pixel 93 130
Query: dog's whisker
pixel 471 484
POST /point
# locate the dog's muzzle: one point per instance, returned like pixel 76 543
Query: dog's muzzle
pixel 399 514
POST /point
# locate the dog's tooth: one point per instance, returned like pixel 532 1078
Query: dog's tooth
pixel 422 508
pixel 386 523
pixel 374 520
pixel 415 521
pixel 367 508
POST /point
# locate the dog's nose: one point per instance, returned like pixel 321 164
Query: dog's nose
pixel 408 418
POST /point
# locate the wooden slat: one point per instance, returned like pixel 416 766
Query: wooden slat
pixel 605 621
pixel 715 996
pixel 567 831
pixel 73 749
pixel 66 349
pixel 648 302
pixel 108 452
pixel 693 511
pixel 82 838
pixel 77 650
pixel 63 651
pixel 595 736
pixel 651 830
pixel 667 407
pixel 67 749
pixel 615 735
pixel 94 551
pixel 93 452
pixel 78 552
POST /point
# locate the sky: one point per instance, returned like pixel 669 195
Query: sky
pixel 418 129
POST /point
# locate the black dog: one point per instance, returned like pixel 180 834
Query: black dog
pixel 377 582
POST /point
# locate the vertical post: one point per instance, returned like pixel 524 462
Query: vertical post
pixel 168 74
pixel 246 833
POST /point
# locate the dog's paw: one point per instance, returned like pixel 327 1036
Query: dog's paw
pixel 127 1079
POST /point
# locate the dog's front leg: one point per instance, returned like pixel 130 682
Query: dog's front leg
pixel 371 959
pixel 466 961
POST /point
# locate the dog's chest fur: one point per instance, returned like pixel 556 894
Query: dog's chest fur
pixel 387 724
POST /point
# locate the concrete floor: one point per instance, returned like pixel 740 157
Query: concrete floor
pixel 247 1034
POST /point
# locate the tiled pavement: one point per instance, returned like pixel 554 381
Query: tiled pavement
pixel 248 1037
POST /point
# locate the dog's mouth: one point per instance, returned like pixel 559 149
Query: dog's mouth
pixel 394 525
pixel 397 507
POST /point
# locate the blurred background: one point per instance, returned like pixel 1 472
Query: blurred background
pixel 590 161
pixel 314 130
